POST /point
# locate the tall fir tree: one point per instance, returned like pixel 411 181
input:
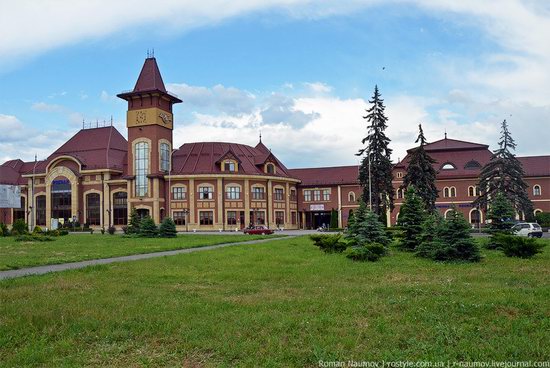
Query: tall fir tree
pixel 504 174
pixel 376 154
pixel 421 174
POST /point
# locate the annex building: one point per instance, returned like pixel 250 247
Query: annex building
pixel 97 177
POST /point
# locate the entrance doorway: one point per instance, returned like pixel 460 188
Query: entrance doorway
pixel 315 220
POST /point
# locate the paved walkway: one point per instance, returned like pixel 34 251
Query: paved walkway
pixel 40 270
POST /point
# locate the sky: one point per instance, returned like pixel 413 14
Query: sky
pixel 301 72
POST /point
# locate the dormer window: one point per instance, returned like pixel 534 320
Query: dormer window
pixel 448 166
pixel 270 168
pixel 230 166
pixel 472 165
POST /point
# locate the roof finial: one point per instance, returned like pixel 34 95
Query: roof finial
pixel 260 136
pixel 445 133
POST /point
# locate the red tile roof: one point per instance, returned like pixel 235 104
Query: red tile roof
pixel 327 175
pixel 149 78
pixel 11 171
pixel 536 165
pixel 204 157
pixel 452 144
pixel 89 147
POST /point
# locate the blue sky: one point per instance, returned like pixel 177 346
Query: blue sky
pixel 299 71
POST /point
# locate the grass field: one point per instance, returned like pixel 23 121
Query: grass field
pixel 282 303
pixel 79 247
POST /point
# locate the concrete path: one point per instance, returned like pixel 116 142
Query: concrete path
pixel 40 270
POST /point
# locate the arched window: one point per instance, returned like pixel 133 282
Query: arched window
pixel 399 175
pixel 270 168
pixel 471 191
pixel 93 209
pixel 446 192
pixel 165 157
pixel 351 196
pixel 475 217
pixel 472 165
pixel 292 194
pixel 453 192
pixel 179 193
pixel 141 163
pixel 448 166
pixel 537 191
pixel 537 211
pixel 120 208
pixel 400 193
pixel 61 199
pixel 448 213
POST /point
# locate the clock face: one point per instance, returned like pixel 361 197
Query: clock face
pixel 141 117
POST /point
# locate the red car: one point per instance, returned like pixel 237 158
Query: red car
pixel 258 230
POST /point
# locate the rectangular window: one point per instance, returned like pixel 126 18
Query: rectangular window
pixel 179 217
pixel 231 217
pixel 279 194
pixel 326 195
pixel 120 208
pixel 279 217
pixel 41 210
pixel 206 217
pixel 206 192
pixel 93 209
pixel 293 218
pixel 230 166
pixel 179 193
pixel 260 217
pixel 233 192
pixel 316 195
pixel 258 193
pixel 307 195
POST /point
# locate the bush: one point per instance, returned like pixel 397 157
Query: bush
pixel 543 219
pixel 125 229
pixel 20 227
pixel 111 230
pixel 517 246
pixel 366 228
pixel 369 252
pixel 147 227
pixel 37 230
pixel 329 243
pixel 168 228
pixel 63 232
pixel 33 238
pixel 51 233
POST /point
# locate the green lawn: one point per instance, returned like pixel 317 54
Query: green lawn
pixel 282 303
pixel 79 247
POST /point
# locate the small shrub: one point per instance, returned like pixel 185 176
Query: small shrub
pixel 111 230
pixel 167 228
pixel 371 252
pixel 91 231
pixel 125 229
pixel 20 227
pixel 329 243
pixel 33 238
pixel 134 223
pixel 4 231
pixel 37 230
pixel 51 233
pixel 63 232
pixel 147 227
pixel 102 231
pixel 517 246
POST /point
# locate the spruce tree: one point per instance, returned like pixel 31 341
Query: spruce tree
pixel 421 174
pixel 454 241
pixel 133 224
pixel 367 228
pixel 411 218
pixel 430 237
pixel 147 227
pixel 501 214
pixel 357 218
pixel 333 219
pixel 167 228
pixel 504 174
pixel 376 154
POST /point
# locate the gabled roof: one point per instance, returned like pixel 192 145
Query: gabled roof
pixel 229 154
pixel 204 157
pixel 327 175
pixel 11 171
pixel 535 165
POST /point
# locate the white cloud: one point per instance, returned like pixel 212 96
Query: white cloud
pixel 219 97
pixel 45 107
pixel 318 87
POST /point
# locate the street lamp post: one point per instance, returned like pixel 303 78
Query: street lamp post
pixel 370 181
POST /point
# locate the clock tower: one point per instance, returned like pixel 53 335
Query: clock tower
pixel 150 123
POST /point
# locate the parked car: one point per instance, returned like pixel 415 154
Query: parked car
pixel 258 230
pixel 529 229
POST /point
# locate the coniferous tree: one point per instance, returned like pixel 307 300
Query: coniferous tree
pixel 411 218
pixel 357 218
pixel 429 239
pixel 421 174
pixel 501 213
pixel 367 228
pixel 376 154
pixel 147 227
pixel 133 224
pixel 504 174
pixel 333 219
pixel 167 228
